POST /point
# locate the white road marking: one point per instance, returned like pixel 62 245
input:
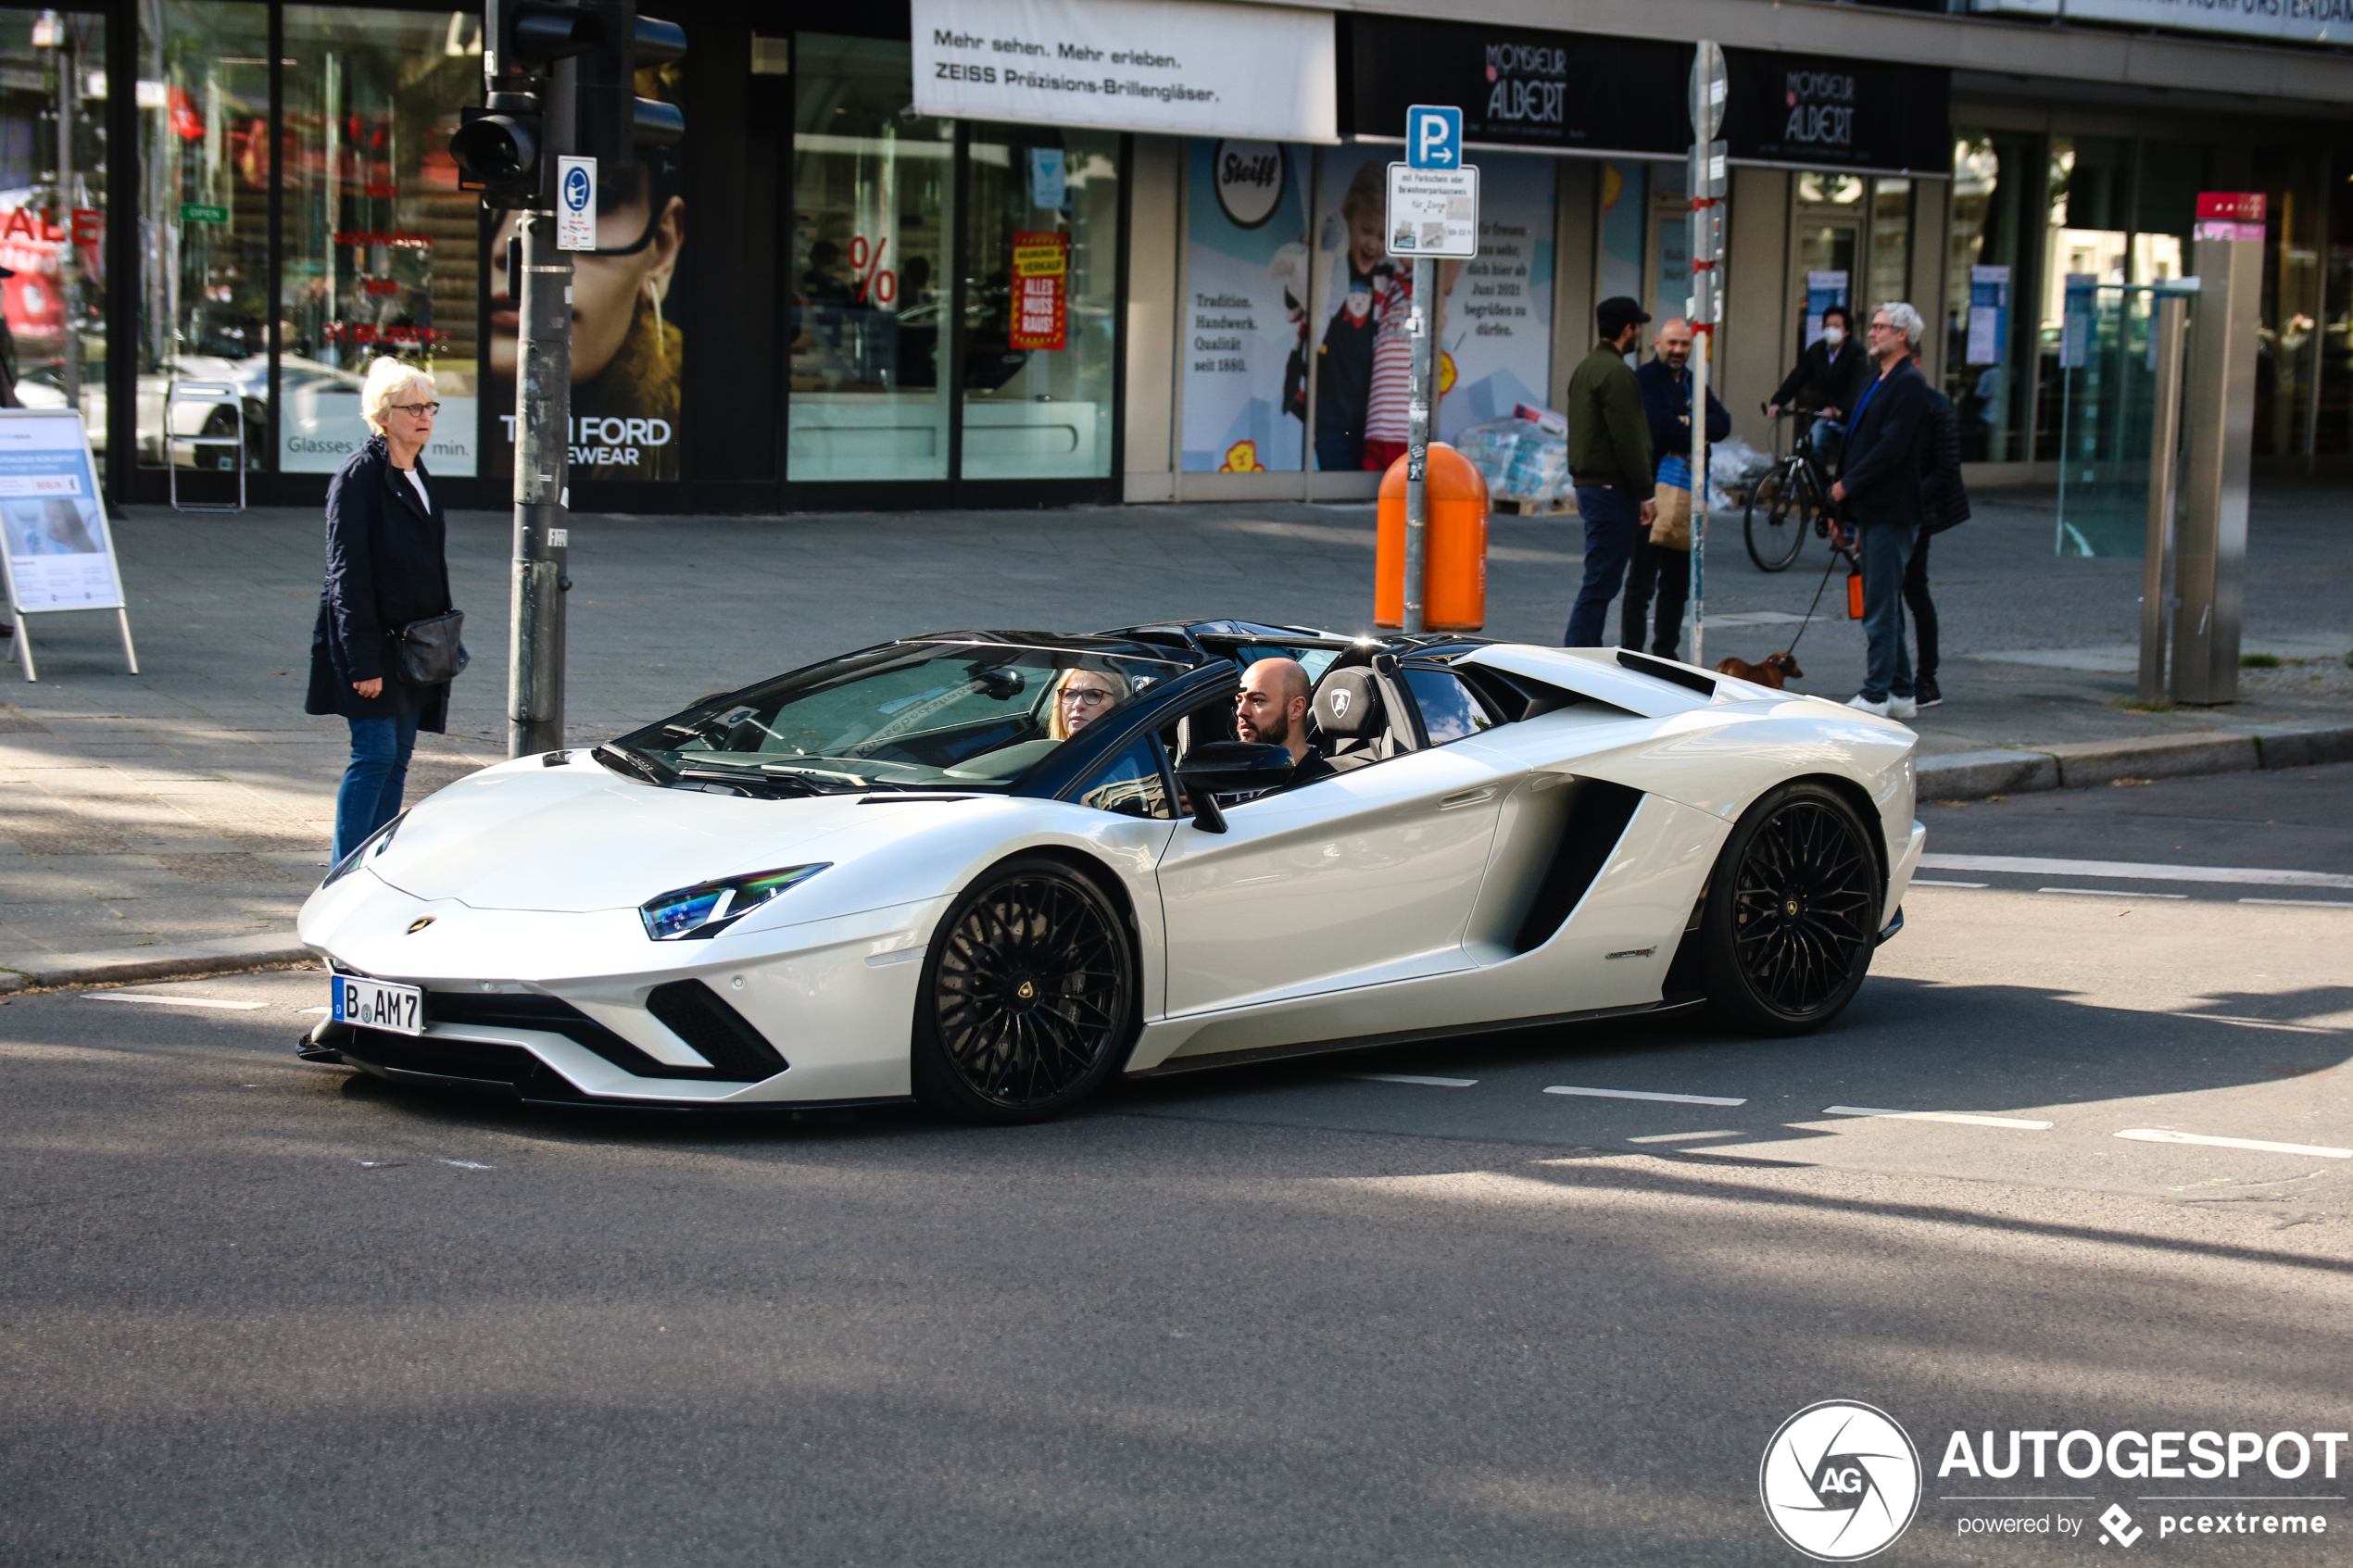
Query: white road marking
pixel 465 1164
pixel 1932 882
pixel 1966 1119
pixel 1684 1137
pixel 169 1001
pixel 2112 892
pixel 2304 903
pixel 1644 1093
pixel 2135 871
pixel 317 1010
pixel 1410 1078
pixel 2262 1145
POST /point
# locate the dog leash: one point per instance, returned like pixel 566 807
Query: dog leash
pixel 1825 582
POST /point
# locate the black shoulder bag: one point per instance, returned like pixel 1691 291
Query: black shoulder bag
pixel 430 653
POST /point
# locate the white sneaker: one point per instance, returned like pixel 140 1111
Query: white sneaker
pixel 1903 708
pixel 1866 704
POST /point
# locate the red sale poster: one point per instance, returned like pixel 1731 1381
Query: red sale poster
pixel 1042 272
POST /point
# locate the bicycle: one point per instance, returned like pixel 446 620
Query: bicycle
pixel 1793 499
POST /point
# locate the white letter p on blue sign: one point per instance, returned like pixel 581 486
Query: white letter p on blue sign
pixel 1433 137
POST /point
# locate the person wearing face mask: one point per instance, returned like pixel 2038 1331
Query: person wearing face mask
pixel 1831 375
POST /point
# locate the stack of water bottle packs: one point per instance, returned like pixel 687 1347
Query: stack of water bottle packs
pixel 1523 458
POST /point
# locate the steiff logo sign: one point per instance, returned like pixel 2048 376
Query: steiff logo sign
pixel 1250 178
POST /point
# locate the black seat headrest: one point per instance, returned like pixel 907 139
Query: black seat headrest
pixel 1348 705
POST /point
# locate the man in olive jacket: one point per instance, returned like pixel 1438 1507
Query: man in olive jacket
pixel 1609 461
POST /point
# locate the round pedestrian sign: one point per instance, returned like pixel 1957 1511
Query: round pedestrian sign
pixel 576 189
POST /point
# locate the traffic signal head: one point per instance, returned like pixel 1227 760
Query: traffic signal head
pixel 530 35
pixel 497 149
pixel 613 120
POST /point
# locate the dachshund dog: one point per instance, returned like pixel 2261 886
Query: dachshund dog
pixel 1776 669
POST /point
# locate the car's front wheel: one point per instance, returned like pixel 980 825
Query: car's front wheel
pixel 1028 1000
pixel 1791 913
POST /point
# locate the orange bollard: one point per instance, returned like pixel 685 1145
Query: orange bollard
pixel 1454 556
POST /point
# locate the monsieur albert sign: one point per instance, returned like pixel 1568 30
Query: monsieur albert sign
pixel 1820 112
pixel 1194 67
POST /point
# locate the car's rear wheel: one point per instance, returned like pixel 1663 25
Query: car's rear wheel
pixel 1029 999
pixel 1792 912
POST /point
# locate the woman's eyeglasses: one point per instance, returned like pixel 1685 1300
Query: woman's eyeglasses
pixel 419 410
pixel 1086 696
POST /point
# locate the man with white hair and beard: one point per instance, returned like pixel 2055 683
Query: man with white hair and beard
pixel 1271 709
pixel 1887 450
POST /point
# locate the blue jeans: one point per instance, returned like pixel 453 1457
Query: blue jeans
pixel 1612 526
pixel 1887 547
pixel 376 779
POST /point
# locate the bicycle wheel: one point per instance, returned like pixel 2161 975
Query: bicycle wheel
pixel 1775 520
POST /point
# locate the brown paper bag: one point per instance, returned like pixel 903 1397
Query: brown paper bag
pixel 1671 523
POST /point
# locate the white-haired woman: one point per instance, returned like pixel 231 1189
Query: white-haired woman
pixel 385 568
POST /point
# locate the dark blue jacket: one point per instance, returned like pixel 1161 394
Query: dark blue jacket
pixel 1887 449
pixel 1667 402
pixel 385 568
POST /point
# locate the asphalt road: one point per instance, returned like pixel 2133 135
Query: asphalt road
pixel 259 1313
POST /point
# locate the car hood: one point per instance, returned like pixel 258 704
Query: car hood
pixel 576 839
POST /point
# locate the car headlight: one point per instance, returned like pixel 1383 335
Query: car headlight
pixel 709 908
pixel 370 848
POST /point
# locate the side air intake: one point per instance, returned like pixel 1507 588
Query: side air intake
pixel 1597 819
pixel 698 1015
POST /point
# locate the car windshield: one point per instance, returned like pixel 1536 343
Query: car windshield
pixel 928 715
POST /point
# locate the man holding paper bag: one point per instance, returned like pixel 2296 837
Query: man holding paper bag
pixel 1663 562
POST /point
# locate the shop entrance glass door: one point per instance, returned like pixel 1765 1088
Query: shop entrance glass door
pixel 1040 274
pixel 872 289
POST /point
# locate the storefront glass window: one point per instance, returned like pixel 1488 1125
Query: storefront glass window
pixel 873 198
pixel 52 203
pixel 381 246
pixel 1891 263
pixel 2288 341
pixel 2165 210
pixel 204 119
pixel 1245 349
pixel 1041 301
pixel 2086 245
pixel 1993 176
pixel 2333 422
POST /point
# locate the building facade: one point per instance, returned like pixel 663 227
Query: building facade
pixel 1027 252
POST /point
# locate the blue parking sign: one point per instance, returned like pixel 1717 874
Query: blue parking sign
pixel 1433 137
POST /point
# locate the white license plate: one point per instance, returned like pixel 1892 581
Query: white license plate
pixel 376 1004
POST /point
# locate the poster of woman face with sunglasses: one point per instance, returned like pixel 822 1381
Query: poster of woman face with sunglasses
pixel 626 355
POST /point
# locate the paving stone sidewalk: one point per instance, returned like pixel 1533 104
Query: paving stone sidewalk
pixel 192 803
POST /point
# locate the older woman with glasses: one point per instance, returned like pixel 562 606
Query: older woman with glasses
pixel 1081 696
pixel 386 569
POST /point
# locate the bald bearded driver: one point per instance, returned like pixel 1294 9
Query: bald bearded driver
pixel 1271 709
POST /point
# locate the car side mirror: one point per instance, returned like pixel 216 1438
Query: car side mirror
pixel 1224 767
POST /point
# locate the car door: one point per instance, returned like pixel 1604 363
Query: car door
pixel 1349 881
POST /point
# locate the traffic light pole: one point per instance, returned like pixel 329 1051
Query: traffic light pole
pixel 543 449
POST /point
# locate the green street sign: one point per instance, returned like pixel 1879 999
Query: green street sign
pixel 199 212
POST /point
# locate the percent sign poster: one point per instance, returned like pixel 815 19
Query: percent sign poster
pixel 1041 275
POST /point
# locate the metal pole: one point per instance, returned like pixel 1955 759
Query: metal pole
pixel 543 388
pixel 1420 325
pixel 2157 560
pixel 1701 337
pixel 2218 437
pixel 1709 89
pixel 543 449
pixel 69 260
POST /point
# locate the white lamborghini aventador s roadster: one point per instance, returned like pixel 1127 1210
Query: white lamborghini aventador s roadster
pixel 901 873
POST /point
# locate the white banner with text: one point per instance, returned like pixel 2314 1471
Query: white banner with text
pixel 1189 68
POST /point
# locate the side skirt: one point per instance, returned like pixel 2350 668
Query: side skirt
pixel 1176 1065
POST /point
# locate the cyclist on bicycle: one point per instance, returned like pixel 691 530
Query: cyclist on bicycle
pixel 1830 374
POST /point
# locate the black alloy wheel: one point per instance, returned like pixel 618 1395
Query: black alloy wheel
pixel 1029 997
pixel 1792 912
pixel 1773 525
